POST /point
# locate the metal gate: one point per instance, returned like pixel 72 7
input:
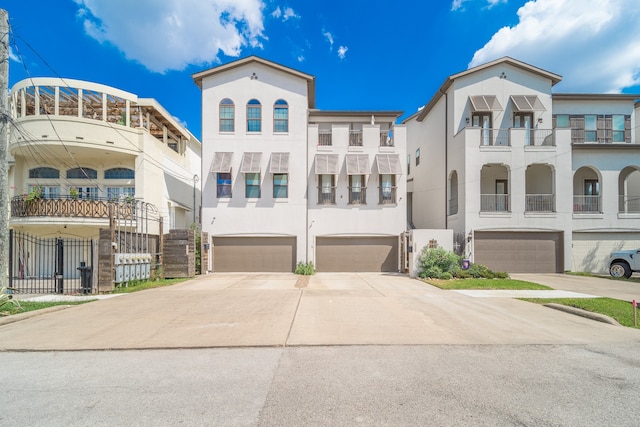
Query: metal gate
pixel 50 265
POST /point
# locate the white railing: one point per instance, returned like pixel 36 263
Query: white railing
pixel 540 138
pixel 494 137
pixel 629 204
pixel 494 203
pixel 324 138
pixel 540 203
pixel 587 204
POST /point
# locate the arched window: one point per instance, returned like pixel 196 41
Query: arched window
pixel 82 173
pixel 119 173
pixel 254 116
pixel 44 172
pixel 281 116
pixel 227 115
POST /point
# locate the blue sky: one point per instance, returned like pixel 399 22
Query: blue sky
pixel 365 55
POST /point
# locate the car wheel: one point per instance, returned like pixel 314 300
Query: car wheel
pixel 620 269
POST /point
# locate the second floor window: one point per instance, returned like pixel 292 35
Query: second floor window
pixel 254 116
pixel 227 115
pixel 223 185
pixel 387 189
pixel 252 185
pixel 357 190
pixel 82 173
pixel 280 185
pixel 281 116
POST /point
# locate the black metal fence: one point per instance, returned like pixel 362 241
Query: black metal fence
pixel 50 265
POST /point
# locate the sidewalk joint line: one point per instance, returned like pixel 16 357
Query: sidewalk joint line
pixel 293 319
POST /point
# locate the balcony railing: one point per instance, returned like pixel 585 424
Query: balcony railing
pixel 629 204
pixel 386 138
pixel 532 137
pixel 357 195
pixel 540 203
pixel 587 204
pixel 67 207
pixel 494 202
pixel 355 138
pixel 540 138
pixel 326 195
pixel 387 195
pixel 491 137
pixel 324 138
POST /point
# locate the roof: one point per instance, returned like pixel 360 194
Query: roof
pixel 311 80
pixel 422 113
pixel 596 97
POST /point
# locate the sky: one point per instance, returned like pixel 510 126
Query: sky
pixel 365 54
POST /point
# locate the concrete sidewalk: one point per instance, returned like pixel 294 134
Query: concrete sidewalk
pixel 240 310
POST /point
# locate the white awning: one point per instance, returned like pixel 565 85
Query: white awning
pixel 358 164
pixel 485 103
pixel 527 103
pixel 222 163
pixel 388 164
pixel 279 163
pixel 251 163
pixel 327 164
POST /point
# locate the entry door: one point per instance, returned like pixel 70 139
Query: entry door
pixel 524 121
pixel 483 120
pixel 502 195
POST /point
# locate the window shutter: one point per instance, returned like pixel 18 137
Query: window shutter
pixel 627 129
pixel 577 128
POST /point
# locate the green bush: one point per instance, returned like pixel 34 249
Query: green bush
pixel 434 262
pixel 305 269
pixel 445 276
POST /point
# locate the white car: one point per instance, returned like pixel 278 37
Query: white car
pixel 624 263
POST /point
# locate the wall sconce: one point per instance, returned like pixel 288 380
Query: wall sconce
pixel 466 120
pixel 539 119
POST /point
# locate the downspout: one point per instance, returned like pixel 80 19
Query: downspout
pixel 446 158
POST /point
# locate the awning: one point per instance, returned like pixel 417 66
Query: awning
pixel 222 163
pixel 327 164
pixel 388 164
pixel 279 163
pixel 358 164
pixel 251 163
pixel 527 103
pixel 485 103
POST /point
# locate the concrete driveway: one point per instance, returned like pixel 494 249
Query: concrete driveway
pixel 625 290
pixel 240 310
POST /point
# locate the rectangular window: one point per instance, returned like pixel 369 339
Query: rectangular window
pixel 387 189
pixel 223 185
pixel 417 157
pixel 618 128
pixel 114 193
pixel 226 119
pixel 280 185
pixel 254 118
pixel 562 121
pixel 252 185
pixel 591 187
pixel 47 191
pixel 327 191
pixel 590 128
pixel 357 190
pixel 281 119
pixel 408 164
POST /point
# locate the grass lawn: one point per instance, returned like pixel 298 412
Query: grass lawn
pixel 37 305
pixel 147 284
pixel 485 284
pixel 621 311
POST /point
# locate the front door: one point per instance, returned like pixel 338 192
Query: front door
pixel 483 120
pixel 502 195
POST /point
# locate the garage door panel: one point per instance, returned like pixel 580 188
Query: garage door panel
pixel 519 252
pixel 591 251
pixel 341 254
pixel 254 254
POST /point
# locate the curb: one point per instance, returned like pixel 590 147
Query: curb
pixel 29 314
pixel 584 313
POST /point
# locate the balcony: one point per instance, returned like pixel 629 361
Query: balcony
pixel 629 204
pixel 494 202
pixel 326 195
pixel 517 136
pixel 324 138
pixel 587 204
pixel 355 138
pixel 68 208
pixel 387 195
pixel 540 203
pixel 386 138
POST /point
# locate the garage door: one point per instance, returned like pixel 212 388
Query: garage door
pixel 591 250
pixel 246 254
pixel 519 252
pixel 357 253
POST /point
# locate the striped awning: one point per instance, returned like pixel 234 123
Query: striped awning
pixel 251 163
pixel 527 103
pixel 388 164
pixel 485 103
pixel 327 164
pixel 222 163
pixel 358 164
pixel 279 163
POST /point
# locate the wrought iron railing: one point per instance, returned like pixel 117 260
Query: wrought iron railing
pixel 491 137
pixel 355 138
pixel 629 204
pixel 68 207
pixel 494 203
pixel 326 195
pixel 357 195
pixel 324 138
pixel 540 203
pixel 387 195
pixel 540 137
pixel 587 204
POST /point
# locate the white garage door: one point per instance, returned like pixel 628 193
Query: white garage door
pixel 591 251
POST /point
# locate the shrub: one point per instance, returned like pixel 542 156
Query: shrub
pixel 433 262
pixel 6 300
pixel 445 276
pixel 305 269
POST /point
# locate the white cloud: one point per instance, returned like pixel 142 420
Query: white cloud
pixel 492 3
pixel 327 35
pixel 171 34
pixel 277 13
pixel 457 4
pixel 289 13
pixel 13 56
pixel 591 43
pixel 342 51
pixel 300 58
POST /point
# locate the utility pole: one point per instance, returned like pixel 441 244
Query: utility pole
pixel 4 146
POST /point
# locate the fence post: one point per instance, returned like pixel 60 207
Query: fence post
pixel 60 267
pixel 11 258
